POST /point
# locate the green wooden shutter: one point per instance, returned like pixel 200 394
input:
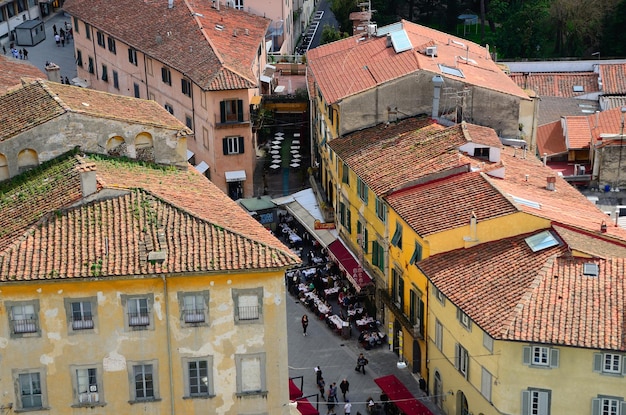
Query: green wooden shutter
pixel 225 145
pixel 240 142
pixel 223 112
pixel 239 110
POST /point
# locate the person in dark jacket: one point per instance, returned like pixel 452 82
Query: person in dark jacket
pixel 345 388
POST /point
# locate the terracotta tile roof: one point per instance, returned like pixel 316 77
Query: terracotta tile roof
pixel 613 76
pixel 566 205
pixel 542 297
pixel 558 84
pixel 12 71
pixel 41 101
pixel 449 203
pixel 550 139
pixel 388 158
pixel 159 209
pixel 350 66
pixel 610 102
pixel 577 132
pixel 591 244
pixel 184 37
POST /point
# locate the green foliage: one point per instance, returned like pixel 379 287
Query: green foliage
pixel 331 34
pixel 342 10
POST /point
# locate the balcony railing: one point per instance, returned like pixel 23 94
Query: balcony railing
pixel 27 325
pixel 233 121
pixel 84 323
pixel 194 316
pixel 399 314
pixel 138 320
pixel 248 312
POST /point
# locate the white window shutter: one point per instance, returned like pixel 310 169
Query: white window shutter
pixel 597 362
pixel 544 402
pixel 527 353
pixel 525 403
pixel 554 357
pixel 595 407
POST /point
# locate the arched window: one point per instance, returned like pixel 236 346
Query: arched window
pixel 27 159
pixel 4 168
pixel 116 146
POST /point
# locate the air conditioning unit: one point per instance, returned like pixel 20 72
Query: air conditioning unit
pixel 431 51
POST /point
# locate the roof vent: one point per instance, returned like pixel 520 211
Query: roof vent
pixel 551 183
pixel 158 39
pixel 590 269
pixel 235 33
pixel 219 27
pixel 389 43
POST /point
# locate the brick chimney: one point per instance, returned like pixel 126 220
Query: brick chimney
pixel 551 183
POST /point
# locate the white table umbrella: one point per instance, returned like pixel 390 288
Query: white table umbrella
pixel 274 166
pixel 279 134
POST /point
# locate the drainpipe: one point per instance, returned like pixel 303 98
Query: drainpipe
pixel 169 344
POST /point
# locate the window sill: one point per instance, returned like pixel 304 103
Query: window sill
pixel 39 408
pixel 251 394
pixel 208 396
pixel 88 404
pixel 136 401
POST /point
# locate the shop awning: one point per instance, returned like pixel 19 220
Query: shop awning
pixel 401 397
pixel 190 154
pixel 348 262
pixel 235 176
pixel 294 391
pixel 303 207
pixel 305 407
pixel 202 167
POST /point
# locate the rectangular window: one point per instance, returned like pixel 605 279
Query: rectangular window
pixel 143 382
pixel 79 58
pixel 397 236
pixel 76 26
pixel 463 319
pixel 138 312
pixel 248 305
pixel 397 288
pixel 169 108
pixel 24 317
pixel 535 402
pixel 608 405
pixel 166 76
pixel 100 37
pixel 88 386
pixel 91 68
pixel 189 122
pixel 439 335
pixel 116 80
pixel 485 384
pixel 132 56
pixel 82 317
pixel 231 111
pixel 31 390
pixel 610 363
pixel 185 87
pixel 362 190
pixel 482 152
pixel 541 356
pixel 439 295
pixel 205 137
pixel 111 44
pixel 233 145
pixel 105 74
pixel 199 377
pixel 194 307
pixel 361 231
pixel 345 174
pixel 136 90
pixel 417 254
pixel 87 31
pixel 416 311
pixel 381 211
pixel 461 360
pixel 250 374
pixel 378 255
pixel 238 4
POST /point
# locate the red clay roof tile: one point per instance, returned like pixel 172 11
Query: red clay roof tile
pixel 12 71
pixel 613 76
pixel 558 84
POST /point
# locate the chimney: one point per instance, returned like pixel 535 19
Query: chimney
pixel 437 83
pixel 88 184
pixel 545 158
pixel 551 183
pixel 389 43
pixel 170 4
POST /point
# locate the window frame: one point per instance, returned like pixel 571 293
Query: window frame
pixel 598 403
pixel 70 311
pixel 87 30
pixel 530 354
pixel 105 73
pixel 486 380
pixel 461 360
pixel 127 300
pixel 527 401
pixel 94 397
pixel 239 362
pixel 345 174
pixel 464 319
pixel 197 312
pixel 237 293
pixel 34 321
pixel 396 240
pixel 210 392
pixel 100 39
pixel 231 111
pixel 91 66
pixel 362 190
pixel 17 379
pixel 116 80
pixel 79 58
pixel 600 364
pixel 153 364
pixel 233 145
pixel 185 87
pixel 438 335
pixel 166 75
pixel 169 108
pixel 111 45
pixel 132 56
pixel 381 210
pixel 417 254
pixel 378 255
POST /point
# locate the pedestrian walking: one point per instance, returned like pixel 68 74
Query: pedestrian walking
pixel 345 388
pixel 4 49
pixel 361 362
pixel 331 407
pixel 15 53
pixel 67 81
pixel 318 373
pixel 57 39
pixel 321 385
pixel 305 324
pixel 332 392
pixel 54 29
pixel 25 54
pixel 21 53
pixel 347 408
pixel 62 37
pixel 370 405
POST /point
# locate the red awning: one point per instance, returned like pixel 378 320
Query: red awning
pixel 305 407
pixel 294 391
pixel 347 262
pixel 401 397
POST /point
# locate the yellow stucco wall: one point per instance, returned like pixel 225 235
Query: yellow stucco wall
pixel 113 346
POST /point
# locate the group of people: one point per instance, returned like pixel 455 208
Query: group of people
pixel 330 394
pixel 62 35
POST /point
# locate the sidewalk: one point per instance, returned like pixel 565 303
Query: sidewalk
pixel 47 50
pixel 337 358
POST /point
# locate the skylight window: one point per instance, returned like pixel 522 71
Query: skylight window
pixel 448 70
pixel 590 269
pixel 579 88
pixel 400 41
pixel 542 240
pixel 526 202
